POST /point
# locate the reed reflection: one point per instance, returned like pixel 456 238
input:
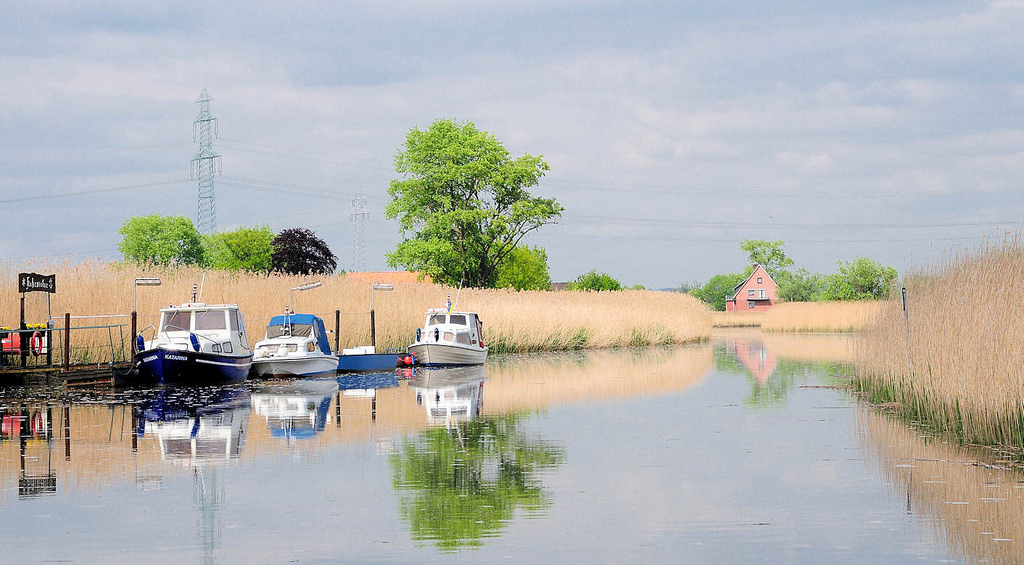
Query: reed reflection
pixel 974 498
pixel 465 478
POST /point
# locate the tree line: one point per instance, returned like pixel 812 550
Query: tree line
pixel 464 207
pixel 859 279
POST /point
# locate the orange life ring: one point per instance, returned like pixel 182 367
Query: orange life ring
pixel 37 343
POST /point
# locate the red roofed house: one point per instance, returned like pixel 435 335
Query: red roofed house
pixel 755 294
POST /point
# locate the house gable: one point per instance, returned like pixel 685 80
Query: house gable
pixel 757 293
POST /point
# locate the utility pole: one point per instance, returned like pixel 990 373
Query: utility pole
pixel 359 241
pixel 203 162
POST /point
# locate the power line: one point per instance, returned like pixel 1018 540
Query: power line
pixel 92 191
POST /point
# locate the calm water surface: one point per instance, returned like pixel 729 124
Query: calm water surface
pixel 741 450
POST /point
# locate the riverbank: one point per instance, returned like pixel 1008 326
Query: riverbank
pixel 954 360
pixel 513 321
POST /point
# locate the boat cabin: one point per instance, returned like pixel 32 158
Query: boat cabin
pixel 463 328
pixel 218 328
pixel 296 326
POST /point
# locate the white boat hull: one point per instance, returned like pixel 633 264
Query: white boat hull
pixel 294 366
pixel 447 354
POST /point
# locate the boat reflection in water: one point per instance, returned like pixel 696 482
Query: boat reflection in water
pixel 450 395
pixel 294 409
pixel 196 425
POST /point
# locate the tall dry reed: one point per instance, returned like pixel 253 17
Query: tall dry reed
pixel 847 316
pixel 956 361
pixel 513 321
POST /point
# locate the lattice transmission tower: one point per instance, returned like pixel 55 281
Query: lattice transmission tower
pixel 205 163
pixel 359 241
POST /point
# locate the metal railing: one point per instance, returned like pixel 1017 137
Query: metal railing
pixel 67 345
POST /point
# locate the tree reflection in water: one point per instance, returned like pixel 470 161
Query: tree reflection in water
pixel 464 483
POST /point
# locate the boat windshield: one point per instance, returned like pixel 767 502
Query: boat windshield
pixel 303 330
pixel 211 320
pixel 177 321
pixel 436 319
pixel 457 319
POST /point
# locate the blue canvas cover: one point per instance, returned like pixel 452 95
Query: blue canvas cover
pixel 309 320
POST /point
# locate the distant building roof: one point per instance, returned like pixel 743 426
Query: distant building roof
pixel 388 276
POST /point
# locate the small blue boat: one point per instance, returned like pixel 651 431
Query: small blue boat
pixel 196 344
pixel 365 358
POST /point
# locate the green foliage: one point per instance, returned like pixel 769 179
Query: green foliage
pixel 245 249
pixel 161 240
pixel 799 286
pixel 594 281
pixel 768 254
pixel 462 484
pixel 525 268
pixel 860 279
pixel 462 203
pixel 718 289
pixel 299 251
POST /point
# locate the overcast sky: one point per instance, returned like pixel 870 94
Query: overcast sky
pixel 674 130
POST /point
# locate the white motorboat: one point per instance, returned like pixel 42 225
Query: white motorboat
pixel 196 343
pixel 449 338
pixel 295 345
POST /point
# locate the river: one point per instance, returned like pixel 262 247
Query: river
pixel 748 448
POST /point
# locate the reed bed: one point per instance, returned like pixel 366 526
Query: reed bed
pixel 737 319
pixel 956 361
pixel 820 316
pixel 513 321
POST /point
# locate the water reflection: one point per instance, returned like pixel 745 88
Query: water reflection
pixel 196 426
pixel 974 498
pixel 775 364
pixel 465 478
pixel 450 395
pixel 294 409
pixel 29 426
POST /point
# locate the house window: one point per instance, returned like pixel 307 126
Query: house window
pixel 750 292
pixel 761 293
pixel 750 304
pixel 760 280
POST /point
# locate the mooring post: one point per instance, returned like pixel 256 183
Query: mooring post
pixel 134 325
pixel 67 341
pixel 337 331
pixel 373 331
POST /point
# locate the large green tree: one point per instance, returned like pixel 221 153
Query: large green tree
pixel 162 240
pixel 525 268
pixel 246 249
pixel 462 203
pixel 768 254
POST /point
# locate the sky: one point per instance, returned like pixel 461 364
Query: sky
pixel 673 130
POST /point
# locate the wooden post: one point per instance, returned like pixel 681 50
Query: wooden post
pixel 134 326
pixel 337 331
pixel 67 341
